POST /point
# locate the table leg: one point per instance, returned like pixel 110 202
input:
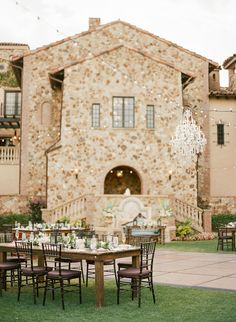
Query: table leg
pixel 135 261
pixel 99 283
pixel 3 257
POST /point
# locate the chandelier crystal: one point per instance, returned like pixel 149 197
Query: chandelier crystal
pixel 188 140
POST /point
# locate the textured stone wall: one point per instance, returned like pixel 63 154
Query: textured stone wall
pixel 13 204
pixel 95 152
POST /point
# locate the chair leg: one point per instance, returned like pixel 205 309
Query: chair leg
pixel 37 285
pixel 45 291
pixel 82 270
pixel 87 269
pixel 53 292
pixel 152 289
pixel 139 292
pixel 114 266
pixel 34 286
pixel 1 282
pixel 80 290
pixel 118 290
pixel 19 285
pixel 62 294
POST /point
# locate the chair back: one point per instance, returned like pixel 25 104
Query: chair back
pixel 25 248
pixel 52 251
pixel 6 234
pixel 224 232
pixel 147 255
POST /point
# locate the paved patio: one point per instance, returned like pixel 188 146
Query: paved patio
pixel 211 270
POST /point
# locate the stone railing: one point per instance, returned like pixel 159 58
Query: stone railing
pixel 73 210
pixel 183 211
pixel 9 154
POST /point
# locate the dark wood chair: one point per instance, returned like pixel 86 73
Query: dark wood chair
pixel 137 243
pixel 6 267
pixel 33 274
pixel 109 269
pixel 137 278
pixel 6 236
pixel 225 238
pixel 66 260
pixel 55 279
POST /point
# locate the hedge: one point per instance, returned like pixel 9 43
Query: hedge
pixel 10 219
pixel 222 219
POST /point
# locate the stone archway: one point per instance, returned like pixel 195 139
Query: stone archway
pixel 120 178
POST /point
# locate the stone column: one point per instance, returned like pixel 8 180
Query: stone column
pixel 206 220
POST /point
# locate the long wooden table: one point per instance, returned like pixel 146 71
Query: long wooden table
pixel 98 256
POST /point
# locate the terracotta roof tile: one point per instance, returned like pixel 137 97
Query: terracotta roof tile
pixel 223 91
pixel 229 61
pixel 7 44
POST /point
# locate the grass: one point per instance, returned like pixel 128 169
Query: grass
pixel 174 304
pixel 207 246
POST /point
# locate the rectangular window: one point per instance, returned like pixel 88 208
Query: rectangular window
pixel 150 117
pixel 96 115
pixel 220 134
pixel 12 103
pixel 123 112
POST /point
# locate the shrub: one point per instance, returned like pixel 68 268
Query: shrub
pixel 35 205
pixel 11 218
pixel 183 229
pixel 197 236
pixel 222 219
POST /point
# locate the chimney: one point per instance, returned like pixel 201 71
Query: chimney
pixel 94 23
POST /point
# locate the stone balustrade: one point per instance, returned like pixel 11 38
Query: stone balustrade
pixel 73 210
pixel 184 211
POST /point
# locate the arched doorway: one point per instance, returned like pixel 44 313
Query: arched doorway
pixel 120 178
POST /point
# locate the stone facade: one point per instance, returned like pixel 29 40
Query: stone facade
pixel 13 204
pixel 222 156
pixel 116 59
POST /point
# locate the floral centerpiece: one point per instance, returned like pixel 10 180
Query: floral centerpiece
pixel 108 214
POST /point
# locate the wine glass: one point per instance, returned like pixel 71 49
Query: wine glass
pixel 123 238
pixel 17 234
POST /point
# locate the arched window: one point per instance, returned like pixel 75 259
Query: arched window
pixel 121 178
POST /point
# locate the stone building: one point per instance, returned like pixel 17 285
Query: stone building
pixel 98 112
pixel 10 111
pixel 222 140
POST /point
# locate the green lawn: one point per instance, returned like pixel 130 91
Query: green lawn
pixel 173 304
pixel 207 246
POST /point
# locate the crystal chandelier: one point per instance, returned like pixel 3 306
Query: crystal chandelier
pixel 188 140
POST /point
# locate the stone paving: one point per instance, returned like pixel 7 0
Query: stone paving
pixel 211 270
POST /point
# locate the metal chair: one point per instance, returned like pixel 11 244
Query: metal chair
pixel 137 243
pixel 6 236
pixel 137 278
pixel 4 268
pixel 34 274
pixel 68 261
pixel 59 275
pixel 225 238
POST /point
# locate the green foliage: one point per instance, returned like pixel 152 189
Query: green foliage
pixel 174 304
pixel 35 205
pixel 10 219
pixel 206 246
pixel 222 219
pixel 63 220
pixel 8 79
pixel 184 229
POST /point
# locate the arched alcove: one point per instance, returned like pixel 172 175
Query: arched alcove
pixel 120 178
